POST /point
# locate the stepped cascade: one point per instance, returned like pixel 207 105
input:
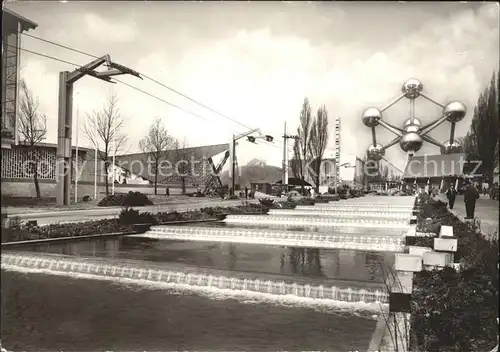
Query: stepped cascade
pixel 339 206
pixel 345 214
pixel 71 266
pixel 346 228
pixel 278 237
pixel 318 221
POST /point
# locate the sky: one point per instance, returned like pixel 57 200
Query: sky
pixel 256 62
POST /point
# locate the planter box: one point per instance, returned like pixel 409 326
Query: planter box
pixel 401 282
pixel 445 244
pixel 419 250
pixel 446 231
pixel 434 260
pixel 408 262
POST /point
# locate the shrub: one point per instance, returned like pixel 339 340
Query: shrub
pixel 212 210
pixel 305 201
pixel 166 217
pixel 131 199
pixel 233 197
pixel 266 202
pixel 327 198
pixel 32 232
pixel 287 205
pixel 456 311
pixel 129 216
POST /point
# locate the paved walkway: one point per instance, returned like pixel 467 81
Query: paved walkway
pixel 486 212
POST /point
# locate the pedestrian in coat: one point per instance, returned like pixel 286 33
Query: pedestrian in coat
pixel 470 196
pixel 451 194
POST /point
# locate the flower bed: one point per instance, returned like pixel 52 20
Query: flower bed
pixel 126 219
pixel 30 232
pixel 456 311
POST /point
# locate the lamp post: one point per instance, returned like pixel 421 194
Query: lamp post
pixel 252 139
pixel 76 156
pixel 65 117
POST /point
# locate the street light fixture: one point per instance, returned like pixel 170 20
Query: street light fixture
pixel 65 119
pixel 251 139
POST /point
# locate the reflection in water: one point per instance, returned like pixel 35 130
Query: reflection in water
pixel 232 257
pixel 251 258
pixel 304 261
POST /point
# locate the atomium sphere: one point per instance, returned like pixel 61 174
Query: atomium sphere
pixel 411 141
pixel 455 111
pixel 412 88
pixel 371 117
pixel 412 125
pixel 375 152
pixel 451 148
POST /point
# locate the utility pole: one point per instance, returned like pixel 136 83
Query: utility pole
pixel 286 137
pixel 233 164
pixel 95 171
pixel 65 118
pixel 285 161
pixel 76 157
pixel 114 162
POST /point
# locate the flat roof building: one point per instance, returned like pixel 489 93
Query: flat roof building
pixel 12 27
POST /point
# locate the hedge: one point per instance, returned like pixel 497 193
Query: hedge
pixel 456 311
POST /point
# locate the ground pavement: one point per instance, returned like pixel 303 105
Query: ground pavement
pixel 486 212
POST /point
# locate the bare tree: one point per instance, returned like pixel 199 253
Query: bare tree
pixel 484 138
pixel 317 143
pixel 155 146
pixel 103 129
pixel 301 145
pixel 183 169
pixel 32 130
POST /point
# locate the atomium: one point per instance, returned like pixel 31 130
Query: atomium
pixel 451 148
pixel 413 133
pixel 375 152
pixel 411 142
pixel 412 88
pixel 371 117
pixel 412 125
pixel 455 111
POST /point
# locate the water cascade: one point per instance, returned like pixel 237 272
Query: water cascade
pixel 70 266
pixel 318 221
pixel 337 206
pixel 278 238
pixel 345 214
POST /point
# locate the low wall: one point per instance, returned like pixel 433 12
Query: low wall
pixel 26 188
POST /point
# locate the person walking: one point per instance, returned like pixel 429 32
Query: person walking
pixel 451 194
pixel 470 196
pixel 246 192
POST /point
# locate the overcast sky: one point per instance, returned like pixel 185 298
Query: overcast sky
pixel 255 62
